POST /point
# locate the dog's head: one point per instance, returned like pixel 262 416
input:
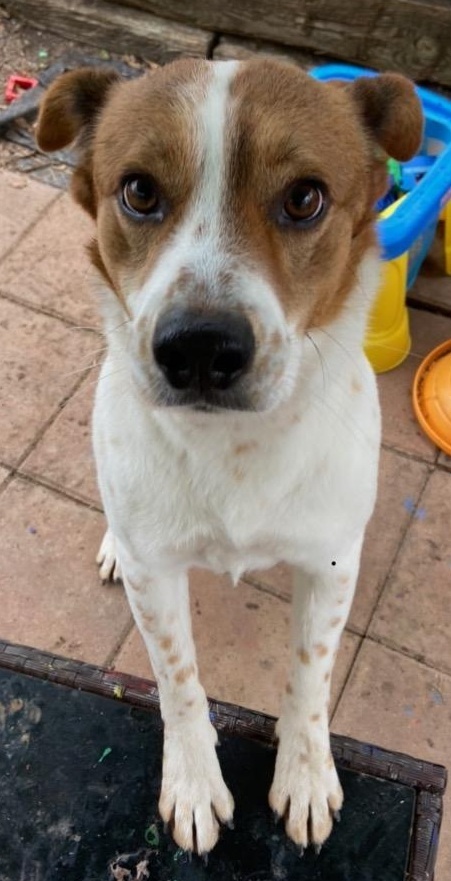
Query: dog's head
pixel 234 203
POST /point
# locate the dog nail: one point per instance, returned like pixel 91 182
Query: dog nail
pixel 337 816
pixel 318 848
pixel 276 816
pixel 230 824
pixel 301 851
pixel 204 858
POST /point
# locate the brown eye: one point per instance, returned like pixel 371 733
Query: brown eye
pixel 304 203
pixel 140 197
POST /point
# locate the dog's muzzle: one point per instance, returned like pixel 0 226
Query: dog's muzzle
pixel 203 355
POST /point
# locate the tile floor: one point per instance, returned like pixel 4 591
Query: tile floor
pixel 392 684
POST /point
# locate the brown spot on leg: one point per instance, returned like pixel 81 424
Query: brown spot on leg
pixel 356 386
pixel 326 677
pixel 303 656
pixel 174 659
pixel 289 688
pixel 165 643
pixel 189 703
pixel 148 619
pixel 341 600
pixel 321 649
pixel 315 718
pixel 182 675
pixel 303 758
pixel 245 447
pixel 335 622
pixel 343 579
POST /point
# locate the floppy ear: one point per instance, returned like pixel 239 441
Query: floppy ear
pixel 68 113
pixel 391 112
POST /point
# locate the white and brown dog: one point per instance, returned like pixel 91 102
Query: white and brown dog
pixel 236 421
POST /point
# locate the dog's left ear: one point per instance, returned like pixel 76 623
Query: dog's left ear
pixel 391 112
pixel 69 112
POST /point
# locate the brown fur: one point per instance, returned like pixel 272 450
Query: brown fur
pixel 283 126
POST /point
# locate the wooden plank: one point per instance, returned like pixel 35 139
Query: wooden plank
pixel 108 26
pixel 229 48
pixel 412 36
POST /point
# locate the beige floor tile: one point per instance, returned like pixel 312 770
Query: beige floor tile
pixel 400 427
pixel 415 610
pixel 22 200
pixel 51 595
pixel 399 704
pixel 242 639
pixel 50 267
pixel 400 481
pixel 445 461
pixel 64 456
pixel 40 363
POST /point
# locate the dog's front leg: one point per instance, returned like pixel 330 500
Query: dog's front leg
pixel 193 794
pixel 306 789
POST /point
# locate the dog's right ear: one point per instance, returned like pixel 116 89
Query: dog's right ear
pixel 69 113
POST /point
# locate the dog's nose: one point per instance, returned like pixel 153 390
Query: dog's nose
pixel 204 350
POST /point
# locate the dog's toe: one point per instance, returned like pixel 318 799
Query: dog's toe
pixel 107 560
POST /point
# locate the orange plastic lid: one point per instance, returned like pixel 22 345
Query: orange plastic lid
pixel 432 396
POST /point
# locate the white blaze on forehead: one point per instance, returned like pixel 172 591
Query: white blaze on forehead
pixel 213 135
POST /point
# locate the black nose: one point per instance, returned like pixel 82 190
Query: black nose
pixel 203 350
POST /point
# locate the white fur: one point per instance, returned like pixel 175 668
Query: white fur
pixel 178 493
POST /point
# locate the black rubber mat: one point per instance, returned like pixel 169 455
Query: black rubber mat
pixel 79 786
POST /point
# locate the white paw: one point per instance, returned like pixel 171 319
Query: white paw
pixel 194 796
pixel 107 560
pixel 306 789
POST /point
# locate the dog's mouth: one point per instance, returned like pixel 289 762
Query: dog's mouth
pixel 205 402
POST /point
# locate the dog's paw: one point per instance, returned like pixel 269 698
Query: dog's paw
pixel 306 790
pixel 194 798
pixel 107 559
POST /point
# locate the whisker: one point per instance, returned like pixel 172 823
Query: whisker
pixel 321 360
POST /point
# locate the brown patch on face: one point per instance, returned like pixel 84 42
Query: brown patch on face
pixel 303 656
pixel 165 643
pixel 287 127
pixel 321 650
pixel 184 674
pixel 335 622
pixel 245 447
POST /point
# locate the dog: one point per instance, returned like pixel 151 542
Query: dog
pixel 236 421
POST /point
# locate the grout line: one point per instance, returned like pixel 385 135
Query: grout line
pixel 28 229
pixel 38 480
pixel 51 419
pixel 348 675
pixel 49 313
pixel 264 588
pixel 418 657
pixel 412 457
pixel 125 633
